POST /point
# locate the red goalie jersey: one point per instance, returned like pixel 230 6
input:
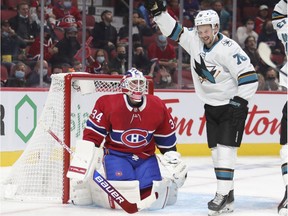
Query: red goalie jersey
pixel 126 128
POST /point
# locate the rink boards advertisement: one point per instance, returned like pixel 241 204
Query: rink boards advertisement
pixel 21 109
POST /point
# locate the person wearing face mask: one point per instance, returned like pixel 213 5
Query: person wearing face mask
pixel 100 58
pixel 67 48
pixel 165 54
pixel 65 11
pixel 272 81
pixel 18 78
pixel 21 24
pixel 246 30
pixel 120 62
pixel 33 78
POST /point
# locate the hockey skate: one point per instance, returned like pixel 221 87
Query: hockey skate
pixel 282 207
pixel 221 204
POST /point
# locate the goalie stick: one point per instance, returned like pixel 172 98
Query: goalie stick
pixel 265 53
pixel 109 189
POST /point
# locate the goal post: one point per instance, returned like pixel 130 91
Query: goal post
pixel 40 172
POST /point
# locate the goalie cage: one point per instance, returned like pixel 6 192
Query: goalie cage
pixel 40 172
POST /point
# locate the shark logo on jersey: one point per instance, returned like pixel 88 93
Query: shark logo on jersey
pixel 203 73
pixel 227 43
pixel 135 138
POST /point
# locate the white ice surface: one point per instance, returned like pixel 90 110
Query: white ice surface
pixel 258 187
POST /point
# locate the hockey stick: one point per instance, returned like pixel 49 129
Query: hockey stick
pixel 265 53
pixel 109 189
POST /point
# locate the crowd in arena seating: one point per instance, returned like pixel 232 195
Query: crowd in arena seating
pixel 106 47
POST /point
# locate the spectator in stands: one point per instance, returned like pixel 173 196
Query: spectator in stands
pixel 48 11
pixel 49 46
pixel 271 80
pixel 246 30
pixel 56 69
pixel 261 18
pixel 104 33
pixel 191 8
pixel 251 50
pixel 18 79
pixel 140 59
pixel 261 82
pixel 205 5
pixel 164 52
pixel 228 5
pixel 269 35
pixel 11 43
pixel 67 47
pixel 77 66
pixel 36 17
pixel 225 18
pixel 226 33
pixel 102 60
pixel 4 75
pixel 173 8
pixel 120 63
pixel 33 78
pixel 92 66
pixel 67 14
pixel 21 24
pixel 140 28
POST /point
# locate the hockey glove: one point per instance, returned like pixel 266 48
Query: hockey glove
pixel 155 7
pixel 173 167
pixel 238 109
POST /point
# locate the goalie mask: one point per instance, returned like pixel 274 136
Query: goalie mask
pixel 207 17
pixel 134 84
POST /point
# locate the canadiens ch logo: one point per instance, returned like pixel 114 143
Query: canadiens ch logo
pixel 134 138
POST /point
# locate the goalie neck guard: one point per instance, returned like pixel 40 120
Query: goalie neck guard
pixel 134 84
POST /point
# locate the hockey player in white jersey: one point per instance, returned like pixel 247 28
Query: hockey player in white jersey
pixel 280 24
pixel 225 81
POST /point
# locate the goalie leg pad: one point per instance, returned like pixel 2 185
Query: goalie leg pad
pixel 80 193
pixel 173 194
pixel 86 159
pixel 129 189
pixel 162 189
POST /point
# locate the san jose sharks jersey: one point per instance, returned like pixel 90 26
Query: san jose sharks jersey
pixel 136 130
pixel 220 72
pixel 280 24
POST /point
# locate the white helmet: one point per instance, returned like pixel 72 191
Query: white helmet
pixel 134 84
pixel 207 17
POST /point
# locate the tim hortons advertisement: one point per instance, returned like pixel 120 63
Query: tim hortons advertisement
pixel 21 109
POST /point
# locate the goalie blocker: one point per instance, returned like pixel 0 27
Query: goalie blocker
pixel 85 191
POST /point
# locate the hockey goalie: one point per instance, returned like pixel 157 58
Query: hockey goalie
pixel 119 140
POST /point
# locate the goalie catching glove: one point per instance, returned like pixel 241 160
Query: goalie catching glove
pixel 173 167
pixel 155 7
pixel 86 159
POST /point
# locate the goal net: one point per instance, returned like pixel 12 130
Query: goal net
pixel 40 172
